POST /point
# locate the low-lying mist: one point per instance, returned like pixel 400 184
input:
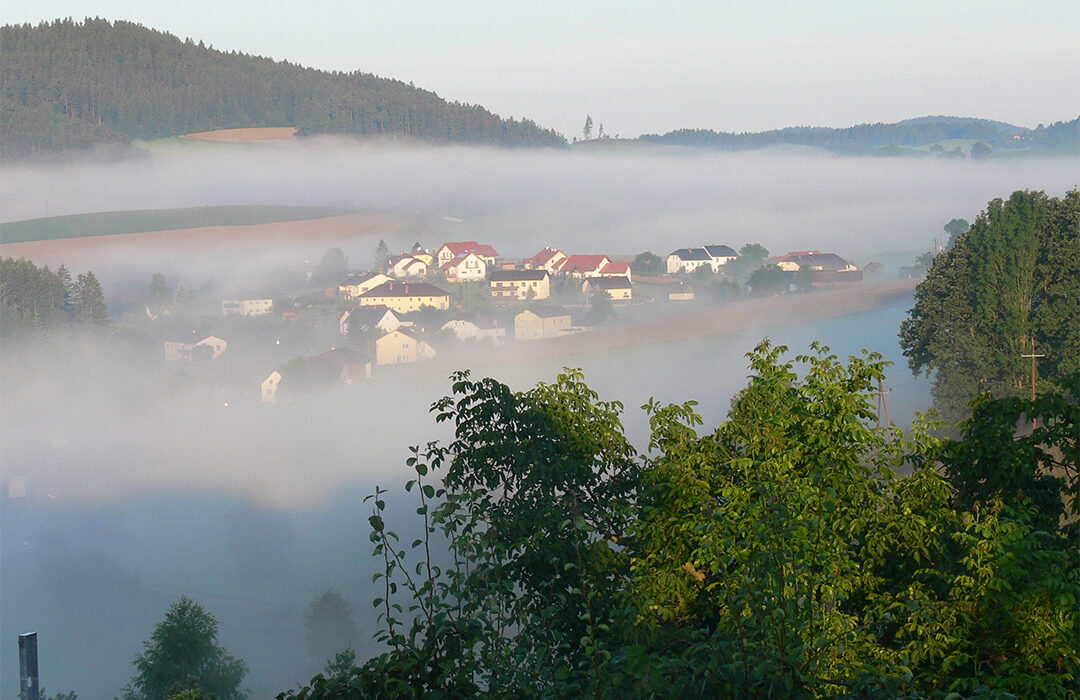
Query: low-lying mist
pixel 127 483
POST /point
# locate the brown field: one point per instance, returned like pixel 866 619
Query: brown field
pixel 246 135
pixel 80 253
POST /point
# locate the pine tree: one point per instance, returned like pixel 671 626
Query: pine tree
pixel 90 304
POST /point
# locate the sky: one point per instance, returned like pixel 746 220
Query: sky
pixel 639 67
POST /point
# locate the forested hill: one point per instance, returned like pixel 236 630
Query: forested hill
pixel 69 85
pixel 870 138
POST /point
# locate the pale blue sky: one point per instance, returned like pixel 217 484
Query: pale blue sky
pixel 651 67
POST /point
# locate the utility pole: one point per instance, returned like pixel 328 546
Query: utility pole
pixel 28 667
pixel 1034 420
pixel 883 403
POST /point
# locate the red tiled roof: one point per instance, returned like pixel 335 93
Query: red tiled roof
pixel 582 263
pixel 460 247
pixel 615 268
pixel 543 256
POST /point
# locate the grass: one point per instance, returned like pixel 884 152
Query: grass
pixel 115 222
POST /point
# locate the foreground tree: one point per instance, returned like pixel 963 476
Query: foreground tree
pixel 779 555
pixel 183 657
pixel 1013 276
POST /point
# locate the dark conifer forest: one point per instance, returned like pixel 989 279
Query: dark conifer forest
pixel 68 85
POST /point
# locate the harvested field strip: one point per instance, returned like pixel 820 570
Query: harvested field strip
pixel 145 221
pixel 245 134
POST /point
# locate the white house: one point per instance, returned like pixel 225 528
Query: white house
pixel 476 327
pixel 356 285
pixel 400 346
pixel 380 317
pixel 406 265
pixel 246 307
pixel 270 387
pixel 467 267
pixel 688 260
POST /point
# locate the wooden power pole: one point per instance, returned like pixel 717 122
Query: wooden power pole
pixel 1034 420
pixel 883 402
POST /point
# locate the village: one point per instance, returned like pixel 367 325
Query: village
pixel 420 304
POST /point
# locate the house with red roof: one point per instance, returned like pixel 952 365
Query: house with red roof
pixel 547 259
pixel 615 269
pixel 581 266
pixel 467 267
pixel 451 250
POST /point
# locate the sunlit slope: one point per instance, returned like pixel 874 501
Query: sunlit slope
pixel 143 221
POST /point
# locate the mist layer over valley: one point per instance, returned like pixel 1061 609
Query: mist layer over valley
pixel 144 483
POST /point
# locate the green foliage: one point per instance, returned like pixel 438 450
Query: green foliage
pixel 752 256
pixel 600 308
pixel 328 625
pixel 68 85
pixel 182 659
pixel 36 299
pixel 332 267
pixel 779 555
pixel 647 264
pixel 1014 275
pixel 767 281
pixel 884 139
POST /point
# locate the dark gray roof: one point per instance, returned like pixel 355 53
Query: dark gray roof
pixel 618 282
pixel 404 289
pixel 692 254
pixel 518 275
pixel 826 261
pixel 721 251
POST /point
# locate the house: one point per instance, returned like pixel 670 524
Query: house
pixel 542 322
pixel 547 259
pixel 476 326
pixel 400 346
pixel 830 270
pixel 246 307
pixel 404 297
pixel 338 365
pixel 720 255
pixel 520 285
pixel 270 387
pixel 683 293
pixel 581 266
pixel 209 348
pixel 408 265
pixel 370 317
pixel 618 288
pixel 615 269
pixel 467 267
pixel 688 260
pixel 356 285
pixel 451 250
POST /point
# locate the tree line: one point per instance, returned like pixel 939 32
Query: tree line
pixel 1010 279
pixel 68 85
pixel 874 137
pixel 40 299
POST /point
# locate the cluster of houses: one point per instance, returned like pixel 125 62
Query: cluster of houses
pixel 384 304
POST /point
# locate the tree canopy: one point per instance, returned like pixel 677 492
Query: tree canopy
pixel 183 656
pixel 1012 277
pixel 68 85
pixel 779 555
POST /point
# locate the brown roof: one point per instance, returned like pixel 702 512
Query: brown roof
pixel 582 263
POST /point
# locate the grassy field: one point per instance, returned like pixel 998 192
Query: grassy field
pixel 113 222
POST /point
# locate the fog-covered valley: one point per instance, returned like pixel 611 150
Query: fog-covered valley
pixel 127 484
